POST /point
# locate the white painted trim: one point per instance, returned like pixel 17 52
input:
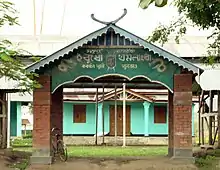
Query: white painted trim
pixel 105 75
pixel 9 119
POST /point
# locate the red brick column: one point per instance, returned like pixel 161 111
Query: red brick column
pixel 57 109
pixel 42 122
pixel 170 125
pixel 182 117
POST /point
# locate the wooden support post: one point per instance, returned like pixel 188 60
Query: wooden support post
pixel 210 118
pixel 9 119
pixel 124 115
pixel 215 135
pixel 103 116
pixel 202 121
pixel 199 121
pixel 218 119
pixel 96 117
pixel 4 121
pixel 116 115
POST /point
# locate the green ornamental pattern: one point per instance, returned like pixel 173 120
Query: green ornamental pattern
pixel 125 62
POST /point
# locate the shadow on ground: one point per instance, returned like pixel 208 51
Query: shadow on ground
pixel 19 160
pixel 160 163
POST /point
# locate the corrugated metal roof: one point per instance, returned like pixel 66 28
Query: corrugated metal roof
pixel 8 84
pixel 43 45
pixel 171 57
pixel 209 80
pixel 25 121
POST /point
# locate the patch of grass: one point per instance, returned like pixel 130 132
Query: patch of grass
pixel 22 165
pixel 23 149
pixel 112 151
pixel 208 162
pixel 27 142
pixel 28 136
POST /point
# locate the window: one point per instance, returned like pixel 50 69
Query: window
pixel 160 114
pixel 79 113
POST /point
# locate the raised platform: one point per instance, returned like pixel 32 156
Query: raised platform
pixel 208 147
pixel 109 140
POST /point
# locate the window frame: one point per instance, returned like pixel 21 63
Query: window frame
pixel 82 116
pixel 156 114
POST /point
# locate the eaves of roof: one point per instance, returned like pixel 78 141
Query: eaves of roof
pixel 147 45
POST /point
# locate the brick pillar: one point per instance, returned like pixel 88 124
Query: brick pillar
pixel 182 116
pixel 170 125
pixel 42 122
pixel 57 109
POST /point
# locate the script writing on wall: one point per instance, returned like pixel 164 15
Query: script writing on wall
pixel 112 60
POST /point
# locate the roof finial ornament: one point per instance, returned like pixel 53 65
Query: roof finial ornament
pixel 111 22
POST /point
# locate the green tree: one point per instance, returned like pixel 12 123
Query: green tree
pixel 203 14
pixel 10 65
pixel 145 3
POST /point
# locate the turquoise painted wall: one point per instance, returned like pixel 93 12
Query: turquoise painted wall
pixel 162 129
pixel 137 117
pixel 78 128
pixel 138 120
pixel 106 117
pixel 157 128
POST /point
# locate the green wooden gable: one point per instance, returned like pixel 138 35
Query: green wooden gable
pixel 112 50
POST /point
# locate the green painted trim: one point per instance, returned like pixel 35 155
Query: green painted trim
pixel 123 62
pixel 75 45
pixel 13 117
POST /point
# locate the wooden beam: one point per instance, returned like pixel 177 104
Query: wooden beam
pixel 2 101
pixel 218 119
pixel 215 136
pixel 110 95
pixel 4 121
pixel 96 118
pixel 199 117
pixel 202 121
pixel 209 114
pixel 210 117
pixel 140 96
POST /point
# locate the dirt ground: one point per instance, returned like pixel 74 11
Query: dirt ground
pixel 118 164
pixel 156 163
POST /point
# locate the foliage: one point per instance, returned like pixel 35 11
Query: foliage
pixel 26 142
pixel 28 136
pixel 145 3
pixel 21 165
pixel 162 32
pixel 203 14
pixel 207 162
pixel 11 66
pixel 110 151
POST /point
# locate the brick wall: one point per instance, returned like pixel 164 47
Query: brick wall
pixel 182 108
pixel 170 125
pixel 41 113
pixel 57 109
pixel 47 112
